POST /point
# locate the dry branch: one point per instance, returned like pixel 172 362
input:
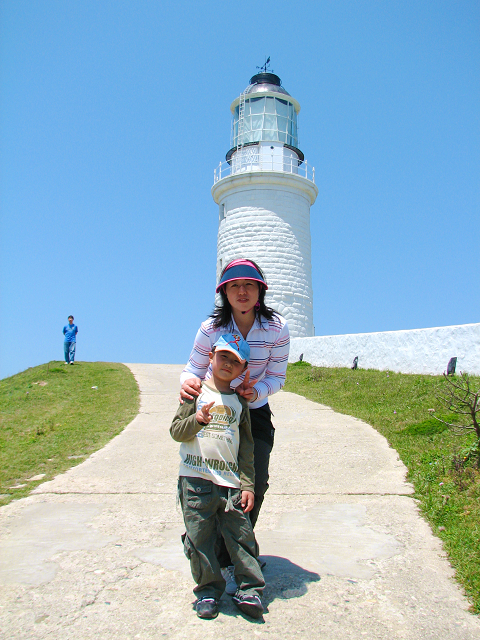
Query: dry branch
pixel 459 398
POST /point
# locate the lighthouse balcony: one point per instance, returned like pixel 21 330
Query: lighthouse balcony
pixel 259 157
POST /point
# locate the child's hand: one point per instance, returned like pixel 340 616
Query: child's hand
pixel 203 414
pixel 248 500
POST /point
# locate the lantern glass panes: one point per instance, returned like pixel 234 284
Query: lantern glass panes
pixel 267 118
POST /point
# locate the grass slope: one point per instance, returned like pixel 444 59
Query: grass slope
pixel 52 419
pixel 447 486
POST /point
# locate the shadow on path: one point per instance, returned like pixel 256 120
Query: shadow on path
pixel 284 579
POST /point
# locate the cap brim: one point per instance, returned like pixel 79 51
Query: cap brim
pixel 221 285
pixel 231 350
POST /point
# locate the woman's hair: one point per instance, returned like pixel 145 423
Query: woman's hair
pixel 222 313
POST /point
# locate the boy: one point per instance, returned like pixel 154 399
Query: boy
pixel 217 481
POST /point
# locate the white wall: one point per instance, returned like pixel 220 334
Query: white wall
pixel 415 351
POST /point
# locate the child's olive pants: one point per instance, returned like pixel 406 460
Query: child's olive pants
pixel 204 504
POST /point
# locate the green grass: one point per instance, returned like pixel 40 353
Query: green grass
pixel 447 486
pixel 48 428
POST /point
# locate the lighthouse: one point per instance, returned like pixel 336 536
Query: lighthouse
pixel 264 191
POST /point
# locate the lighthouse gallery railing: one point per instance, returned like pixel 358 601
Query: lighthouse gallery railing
pixel 246 162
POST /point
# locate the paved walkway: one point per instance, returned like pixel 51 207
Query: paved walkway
pixel 95 553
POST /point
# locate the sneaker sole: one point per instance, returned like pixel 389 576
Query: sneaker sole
pixel 250 609
pixel 203 617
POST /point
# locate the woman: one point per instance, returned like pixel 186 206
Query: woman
pixel 242 309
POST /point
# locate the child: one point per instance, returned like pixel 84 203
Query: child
pixel 217 480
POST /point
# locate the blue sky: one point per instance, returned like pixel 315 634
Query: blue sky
pixel 114 115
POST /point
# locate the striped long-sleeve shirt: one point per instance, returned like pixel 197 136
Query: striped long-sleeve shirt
pixel 269 342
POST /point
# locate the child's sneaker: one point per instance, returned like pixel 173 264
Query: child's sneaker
pixel 206 608
pixel 228 574
pixel 250 605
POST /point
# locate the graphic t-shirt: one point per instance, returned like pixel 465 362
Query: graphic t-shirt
pixel 213 452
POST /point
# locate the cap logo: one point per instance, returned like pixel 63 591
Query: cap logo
pixel 235 341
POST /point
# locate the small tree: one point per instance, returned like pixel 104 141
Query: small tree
pixel 458 397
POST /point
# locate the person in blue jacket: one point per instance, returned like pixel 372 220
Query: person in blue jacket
pixel 70 331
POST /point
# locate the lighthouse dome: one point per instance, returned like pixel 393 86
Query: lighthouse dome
pixel 266 82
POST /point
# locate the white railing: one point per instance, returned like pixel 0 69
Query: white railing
pixel 252 161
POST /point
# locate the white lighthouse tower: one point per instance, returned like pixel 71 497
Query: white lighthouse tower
pixel 264 191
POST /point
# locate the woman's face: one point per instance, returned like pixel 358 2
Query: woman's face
pixel 242 294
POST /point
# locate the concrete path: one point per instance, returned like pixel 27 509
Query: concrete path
pixel 96 554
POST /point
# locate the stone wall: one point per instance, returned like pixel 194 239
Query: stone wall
pixel 415 351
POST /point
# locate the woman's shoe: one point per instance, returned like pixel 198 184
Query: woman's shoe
pixel 228 574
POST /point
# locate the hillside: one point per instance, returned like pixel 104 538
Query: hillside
pixel 54 416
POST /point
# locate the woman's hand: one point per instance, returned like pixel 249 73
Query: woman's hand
pixel 203 414
pixel 190 389
pixel 246 389
pixel 248 500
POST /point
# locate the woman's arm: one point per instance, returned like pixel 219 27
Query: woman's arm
pixel 276 369
pixel 199 360
pixel 197 365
